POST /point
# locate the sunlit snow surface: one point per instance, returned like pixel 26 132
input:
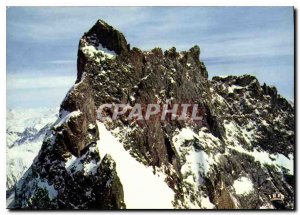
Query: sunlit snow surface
pixel 279 160
pixel 243 185
pixel 197 164
pixel 99 55
pixel 66 116
pixel 25 129
pixel 142 188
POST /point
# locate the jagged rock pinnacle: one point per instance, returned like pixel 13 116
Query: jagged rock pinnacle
pixel 108 37
pixel 100 36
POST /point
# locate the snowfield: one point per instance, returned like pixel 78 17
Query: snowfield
pixel 142 188
pixel 243 186
pixel 197 164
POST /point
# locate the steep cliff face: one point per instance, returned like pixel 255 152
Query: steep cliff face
pixel 240 155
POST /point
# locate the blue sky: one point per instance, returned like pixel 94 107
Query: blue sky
pixel 42 43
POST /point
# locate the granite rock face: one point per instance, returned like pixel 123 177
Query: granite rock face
pixel 246 135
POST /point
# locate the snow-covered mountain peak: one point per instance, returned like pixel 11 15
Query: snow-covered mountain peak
pixel 244 136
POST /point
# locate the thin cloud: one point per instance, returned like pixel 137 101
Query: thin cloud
pixel 233 40
pixel 15 82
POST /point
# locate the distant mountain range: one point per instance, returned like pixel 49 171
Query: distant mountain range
pixel 25 131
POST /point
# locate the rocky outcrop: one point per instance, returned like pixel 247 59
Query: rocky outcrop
pixel 77 123
pixel 246 134
pixel 57 180
pixel 100 36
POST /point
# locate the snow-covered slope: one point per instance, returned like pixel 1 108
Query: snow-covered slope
pixel 25 131
pixel 141 186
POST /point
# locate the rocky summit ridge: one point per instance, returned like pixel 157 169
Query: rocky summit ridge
pixel 239 157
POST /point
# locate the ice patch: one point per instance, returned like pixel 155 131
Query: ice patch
pixel 70 161
pixel 91 167
pixel 206 204
pixel 52 193
pixel 172 80
pixel 243 186
pixel 233 87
